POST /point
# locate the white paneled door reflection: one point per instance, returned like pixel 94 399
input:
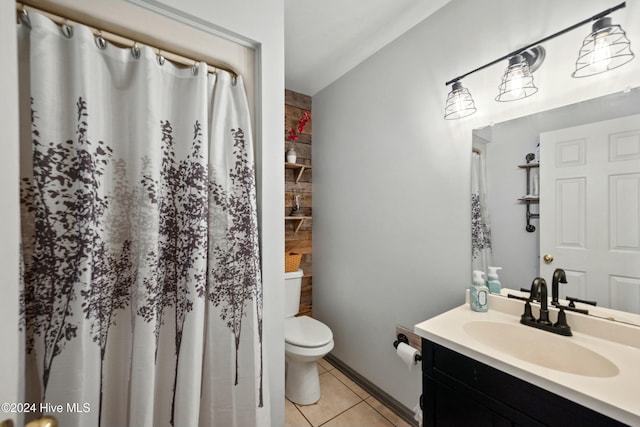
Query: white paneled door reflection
pixel 590 210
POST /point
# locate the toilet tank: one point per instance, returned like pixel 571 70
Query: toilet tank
pixel 292 286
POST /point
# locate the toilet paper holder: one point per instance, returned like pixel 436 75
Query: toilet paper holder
pixel 403 338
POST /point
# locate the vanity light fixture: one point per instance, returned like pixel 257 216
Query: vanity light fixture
pixel 459 103
pixel 606 48
pixel 517 81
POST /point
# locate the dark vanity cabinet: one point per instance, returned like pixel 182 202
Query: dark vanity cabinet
pixel 462 392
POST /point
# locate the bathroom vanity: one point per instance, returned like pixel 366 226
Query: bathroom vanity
pixel 486 369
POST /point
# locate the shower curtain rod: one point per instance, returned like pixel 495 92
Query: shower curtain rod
pixel 121 39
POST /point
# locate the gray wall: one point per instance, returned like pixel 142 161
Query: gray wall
pixel 514 249
pixel 391 177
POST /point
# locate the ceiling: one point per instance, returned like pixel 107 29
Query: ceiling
pixel 325 39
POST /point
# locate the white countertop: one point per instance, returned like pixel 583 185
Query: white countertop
pixel 616 396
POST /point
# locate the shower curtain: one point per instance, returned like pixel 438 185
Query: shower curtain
pixel 480 224
pixel 141 282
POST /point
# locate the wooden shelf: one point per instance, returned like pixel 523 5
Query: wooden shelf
pixel 300 169
pixel 296 166
pixel 300 220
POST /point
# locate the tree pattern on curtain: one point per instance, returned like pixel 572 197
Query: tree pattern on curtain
pixel 480 230
pixel 241 239
pixel 480 222
pixel 81 248
pixel 67 208
pixel 181 199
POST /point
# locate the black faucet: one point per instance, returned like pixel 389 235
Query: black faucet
pixel 539 291
pixel 559 276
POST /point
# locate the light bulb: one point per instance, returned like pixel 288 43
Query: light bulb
pixel 459 102
pixel 514 86
pixel 601 57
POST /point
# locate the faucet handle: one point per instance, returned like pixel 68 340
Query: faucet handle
pixel 527 316
pixel 508 296
pixel 561 325
pixel 570 308
pixel 573 300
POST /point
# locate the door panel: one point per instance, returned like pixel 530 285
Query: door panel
pixel 590 210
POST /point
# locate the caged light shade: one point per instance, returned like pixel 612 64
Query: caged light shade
pixel 459 103
pixel 606 48
pixel 517 81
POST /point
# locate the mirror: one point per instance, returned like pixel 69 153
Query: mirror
pixel 504 147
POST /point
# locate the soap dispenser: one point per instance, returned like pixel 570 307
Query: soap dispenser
pixel 478 293
pixel 493 283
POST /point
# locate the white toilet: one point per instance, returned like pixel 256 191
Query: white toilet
pixel 306 341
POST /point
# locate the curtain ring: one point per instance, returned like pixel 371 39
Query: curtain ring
pixel 100 41
pixel 194 68
pixel 24 18
pixel 160 58
pixel 135 50
pixel 66 30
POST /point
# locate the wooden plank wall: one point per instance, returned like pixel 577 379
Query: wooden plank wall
pixel 300 242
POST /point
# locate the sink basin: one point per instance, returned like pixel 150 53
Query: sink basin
pixel 541 348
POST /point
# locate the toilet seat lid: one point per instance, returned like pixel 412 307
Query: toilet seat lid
pixel 304 331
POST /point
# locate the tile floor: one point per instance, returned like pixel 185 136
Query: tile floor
pixel 342 404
